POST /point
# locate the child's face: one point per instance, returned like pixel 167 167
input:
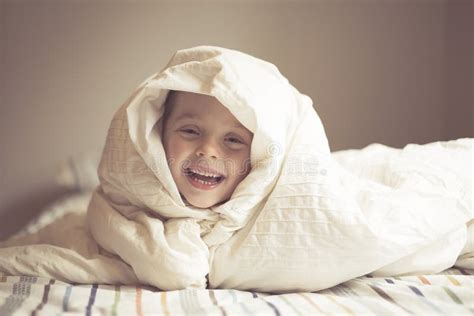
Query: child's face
pixel 207 149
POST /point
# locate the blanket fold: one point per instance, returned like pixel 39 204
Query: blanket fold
pixel 302 220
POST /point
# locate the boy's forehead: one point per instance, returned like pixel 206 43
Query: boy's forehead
pixel 192 105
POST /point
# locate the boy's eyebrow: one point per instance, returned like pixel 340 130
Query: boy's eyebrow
pixel 186 116
pixel 240 127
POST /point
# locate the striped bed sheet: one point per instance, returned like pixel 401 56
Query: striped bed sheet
pixel 448 293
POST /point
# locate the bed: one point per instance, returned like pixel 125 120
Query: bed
pixel 450 292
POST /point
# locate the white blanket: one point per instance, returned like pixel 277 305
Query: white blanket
pixel 301 220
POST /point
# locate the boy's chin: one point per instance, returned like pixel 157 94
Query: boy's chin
pixel 202 204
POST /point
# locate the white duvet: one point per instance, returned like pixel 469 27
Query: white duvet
pixel 303 219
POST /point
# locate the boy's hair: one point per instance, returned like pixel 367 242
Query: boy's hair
pixel 167 104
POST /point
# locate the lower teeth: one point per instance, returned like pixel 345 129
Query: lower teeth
pixel 204 182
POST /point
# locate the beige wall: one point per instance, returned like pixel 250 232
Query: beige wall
pixel 393 72
pixel 459 69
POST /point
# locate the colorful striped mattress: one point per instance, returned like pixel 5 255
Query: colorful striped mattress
pixel 449 293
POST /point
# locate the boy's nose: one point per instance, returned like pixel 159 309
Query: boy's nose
pixel 208 149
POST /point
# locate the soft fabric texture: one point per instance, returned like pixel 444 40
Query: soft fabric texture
pixel 301 220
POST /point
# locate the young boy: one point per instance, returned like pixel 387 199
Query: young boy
pixel 207 148
pixel 203 211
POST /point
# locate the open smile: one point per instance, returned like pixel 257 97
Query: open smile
pixel 204 180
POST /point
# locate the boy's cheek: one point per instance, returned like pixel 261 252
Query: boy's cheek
pixel 172 147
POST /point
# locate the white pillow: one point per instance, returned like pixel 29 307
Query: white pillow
pixel 80 171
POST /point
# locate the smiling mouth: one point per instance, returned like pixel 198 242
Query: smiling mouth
pixel 203 179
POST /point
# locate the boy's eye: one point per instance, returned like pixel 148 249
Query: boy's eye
pixel 235 140
pixel 189 131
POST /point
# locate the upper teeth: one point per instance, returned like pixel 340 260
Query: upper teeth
pixel 207 174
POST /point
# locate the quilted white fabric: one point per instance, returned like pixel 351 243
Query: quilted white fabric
pixel 301 220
